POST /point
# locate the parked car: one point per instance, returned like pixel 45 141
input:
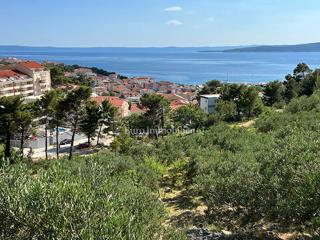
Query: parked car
pixel 83 146
pixel 65 142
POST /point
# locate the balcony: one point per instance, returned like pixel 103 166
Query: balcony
pixel 26 86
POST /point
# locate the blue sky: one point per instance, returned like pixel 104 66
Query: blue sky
pixel 143 23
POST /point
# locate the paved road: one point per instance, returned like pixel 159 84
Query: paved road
pixel 39 153
pixel 40 142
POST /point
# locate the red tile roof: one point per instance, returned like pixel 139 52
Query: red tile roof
pixel 119 88
pixel 115 101
pixel 176 104
pixel 31 65
pixel 8 73
pixel 136 108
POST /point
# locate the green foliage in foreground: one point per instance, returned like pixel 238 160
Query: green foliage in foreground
pixel 262 176
pixel 94 198
pixel 269 172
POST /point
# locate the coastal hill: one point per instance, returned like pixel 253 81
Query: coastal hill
pixel 310 47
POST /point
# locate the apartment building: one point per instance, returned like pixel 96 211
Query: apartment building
pixel 27 79
pixel 208 103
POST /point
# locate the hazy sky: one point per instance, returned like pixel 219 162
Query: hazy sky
pixel 158 22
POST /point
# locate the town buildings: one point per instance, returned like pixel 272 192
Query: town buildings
pixel 27 79
pixel 31 79
pixel 131 89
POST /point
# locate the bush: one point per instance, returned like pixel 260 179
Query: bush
pixel 79 200
pixel 304 103
pixel 291 174
pixel 268 173
pixel 272 176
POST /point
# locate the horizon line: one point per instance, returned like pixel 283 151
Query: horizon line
pixel 217 46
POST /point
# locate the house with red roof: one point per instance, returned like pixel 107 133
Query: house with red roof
pixel 121 104
pixel 176 104
pixel 32 65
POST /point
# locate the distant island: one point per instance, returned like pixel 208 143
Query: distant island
pixel 310 47
pixel 306 47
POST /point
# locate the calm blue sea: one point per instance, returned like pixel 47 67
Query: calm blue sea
pixel 181 65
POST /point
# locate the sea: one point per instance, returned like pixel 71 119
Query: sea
pixel 181 65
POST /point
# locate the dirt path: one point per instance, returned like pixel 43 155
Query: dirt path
pixel 182 207
pixel 244 124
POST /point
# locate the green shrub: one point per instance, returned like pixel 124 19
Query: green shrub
pixel 304 103
pixel 77 200
pixel 291 176
pixel 272 175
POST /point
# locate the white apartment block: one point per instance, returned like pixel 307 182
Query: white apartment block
pixel 27 79
pixel 208 103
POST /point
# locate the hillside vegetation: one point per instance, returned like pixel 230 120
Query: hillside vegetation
pixel 269 172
